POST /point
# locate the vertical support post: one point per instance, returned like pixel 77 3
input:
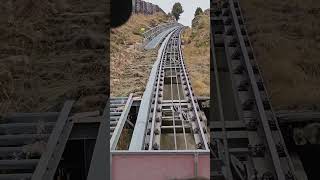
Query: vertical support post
pixel 100 158
pixel 43 164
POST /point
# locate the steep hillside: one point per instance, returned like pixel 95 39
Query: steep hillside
pixel 131 65
pixel 51 53
pixel 196 49
pixel 286 41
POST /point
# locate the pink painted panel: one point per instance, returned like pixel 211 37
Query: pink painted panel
pixel 158 166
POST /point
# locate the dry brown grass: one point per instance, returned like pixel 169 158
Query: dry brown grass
pixel 43 63
pixel 124 140
pixel 130 64
pixel 286 41
pixel 196 49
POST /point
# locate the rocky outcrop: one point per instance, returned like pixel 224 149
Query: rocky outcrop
pixel 146 7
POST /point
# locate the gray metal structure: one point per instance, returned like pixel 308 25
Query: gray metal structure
pixel 258 150
pixel 246 141
pixel 119 110
pixel 32 144
pixel 23 134
pixel 138 134
pixel 151 33
pixel 154 36
pixel 155 41
pixel 170 136
pixel 50 159
pixel 169 105
pixel 98 166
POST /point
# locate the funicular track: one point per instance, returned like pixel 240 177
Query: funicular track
pixel 245 132
pixel 174 109
pixel 170 137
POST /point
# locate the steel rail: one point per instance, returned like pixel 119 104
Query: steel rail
pixel 196 108
pixel 171 91
pixel 221 115
pixel 138 135
pixel 180 107
pixel 252 96
pixel 118 129
pixel 154 31
pixel 156 99
pixel 267 94
pixel 150 144
pixel 262 113
pixel 194 125
pixel 253 137
pixel 170 53
pixel 156 145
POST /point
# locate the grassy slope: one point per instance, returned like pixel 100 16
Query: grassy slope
pixel 43 63
pixel 286 40
pixel 130 65
pixel 196 49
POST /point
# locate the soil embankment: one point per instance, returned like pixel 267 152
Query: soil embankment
pixel 196 51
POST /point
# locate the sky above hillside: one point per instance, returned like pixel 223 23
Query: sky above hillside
pixel 189 7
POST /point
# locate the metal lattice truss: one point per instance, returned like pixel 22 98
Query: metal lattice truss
pixel 267 150
pixel 119 110
pixel 32 144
